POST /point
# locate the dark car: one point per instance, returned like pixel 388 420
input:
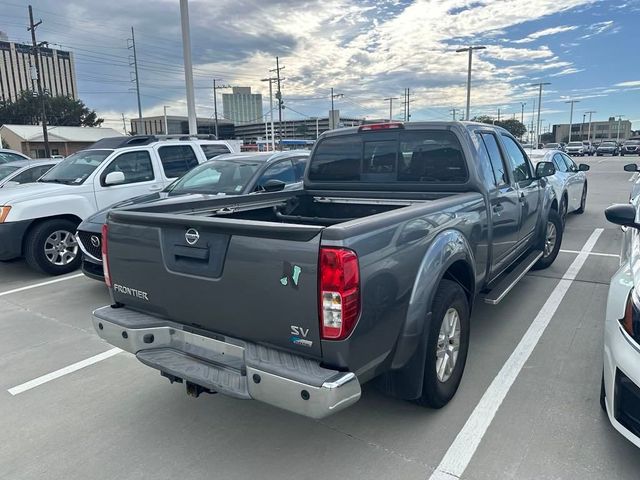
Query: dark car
pixel 230 174
pixel 607 148
pixel 368 273
pixel 630 147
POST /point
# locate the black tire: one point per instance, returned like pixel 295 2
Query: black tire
pixel 603 395
pixel 549 257
pixel 34 247
pixel 583 200
pixel 564 206
pixel 437 393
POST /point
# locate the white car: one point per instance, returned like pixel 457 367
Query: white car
pixel 620 392
pixel 577 148
pixel 569 182
pixel 38 220
pixel 7 155
pixel 23 171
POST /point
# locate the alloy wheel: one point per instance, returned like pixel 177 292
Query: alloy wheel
pixel 550 239
pixel 448 345
pixel 61 248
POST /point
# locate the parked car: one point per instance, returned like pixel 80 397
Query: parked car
pixel 608 148
pixel 576 148
pixel 38 220
pixel 552 146
pixel 620 391
pixel 370 272
pixel 230 174
pixel 569 182
pixel 589 148
pixel 630 147
pixel 23 171
pixel 7 155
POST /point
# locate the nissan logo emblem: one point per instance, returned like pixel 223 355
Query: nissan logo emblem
pixel 95 241
pixel 192 236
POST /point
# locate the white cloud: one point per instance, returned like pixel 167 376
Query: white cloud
pixel 545 33
pixel 599 28
pixel 632 83
pixel 567 71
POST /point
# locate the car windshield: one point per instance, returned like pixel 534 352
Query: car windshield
pixel 551 145
pixel 75 169
pixel 6 170
pixel 607 144
pixel 217 176
pixel 575 144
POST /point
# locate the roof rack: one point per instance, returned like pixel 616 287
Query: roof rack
pixel 121 142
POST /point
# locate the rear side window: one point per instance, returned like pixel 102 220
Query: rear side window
pixel 211 151
pixel 299 165
pixel 431 156
pixel 177 160
pixel 490 144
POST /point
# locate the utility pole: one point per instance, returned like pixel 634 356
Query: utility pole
pixel 188 67
pixel 590 112
pixel 215 102
pixel 618 136
pixel 280 102
pixel 540 85
pixel 469 49
pixel 407 105
pixel 390 100
pixel 132 46
pixel 453 114
pixel 498 113
pixel 522 105
pixel 271 80
pixel 584 117
pixel 572 102
pixel 332 120
pixel 43 105
pixel 124 124
pixel 166 122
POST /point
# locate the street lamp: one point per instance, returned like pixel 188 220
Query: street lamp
pixel 469 49
pixel 540 85
pixel 618 136
pixel 571 115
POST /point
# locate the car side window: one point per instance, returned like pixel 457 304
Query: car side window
pixel 299 165
pixel 517 159
pixel 27 176
pixel 490 144
pixel 559 163
pixel 177 159
pixel 571 166
pixel 282 171
pixel 136 167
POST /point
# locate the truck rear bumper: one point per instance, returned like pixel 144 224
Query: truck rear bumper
pixel 229 366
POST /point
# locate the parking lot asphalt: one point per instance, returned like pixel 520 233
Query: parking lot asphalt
pixel 116 418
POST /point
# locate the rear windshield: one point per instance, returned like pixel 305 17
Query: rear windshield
pixel 430 156
pixel 6 170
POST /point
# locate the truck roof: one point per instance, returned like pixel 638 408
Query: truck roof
pixel 410 126
pixel 136 140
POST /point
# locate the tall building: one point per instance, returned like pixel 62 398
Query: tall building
pixel 242 106
pixel 611 129
pixel 17 61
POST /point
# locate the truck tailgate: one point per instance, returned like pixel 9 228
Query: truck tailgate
pixel 251 280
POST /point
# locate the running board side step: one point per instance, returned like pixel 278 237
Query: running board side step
pixel 504 286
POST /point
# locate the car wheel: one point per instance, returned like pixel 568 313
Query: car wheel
pixel 51 247
pixel 551 241
pixel 448 342
pixel 583 200
pixel 603 395
pixel 563 209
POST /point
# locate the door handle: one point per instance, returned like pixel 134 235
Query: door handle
pixel 522 198
pixel 498 208
pixel 155 188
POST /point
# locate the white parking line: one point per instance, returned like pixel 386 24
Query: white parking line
pixel 41 284
pixel 633 177
pixel 63 371
pixel 597 254
pixel 466 443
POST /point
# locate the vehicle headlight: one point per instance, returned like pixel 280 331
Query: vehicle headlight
pixel 4 211
pixel 631 320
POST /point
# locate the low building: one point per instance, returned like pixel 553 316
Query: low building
pixel 611 129
pixel 28 139
pixel 303 129
pixel 179 125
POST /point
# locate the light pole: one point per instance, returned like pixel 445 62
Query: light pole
pixel 271 80
pixel 618 136
pixel 571 116
pixel 188 67
pixel 540 85
pixel 469 49
pixel 590 112
pixel 390 100
pixel 166 124
pixel 332 120
pixel 522 105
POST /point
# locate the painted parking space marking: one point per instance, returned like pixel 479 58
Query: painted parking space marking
pixel 36 382
pixel 597 254
pixel 461 451
pixel 41 284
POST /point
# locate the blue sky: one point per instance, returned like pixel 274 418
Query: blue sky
pixel 366 50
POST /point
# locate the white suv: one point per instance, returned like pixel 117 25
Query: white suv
pixel 38 220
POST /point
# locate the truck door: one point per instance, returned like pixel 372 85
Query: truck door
pixel 504 204
pixel 528 186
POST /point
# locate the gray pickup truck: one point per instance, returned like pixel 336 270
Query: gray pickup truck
pixel 369 273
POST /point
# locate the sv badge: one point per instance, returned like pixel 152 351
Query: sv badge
pixel 299 331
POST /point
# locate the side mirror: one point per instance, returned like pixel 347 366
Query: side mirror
pixel 583 167
pixel 631 167
pixel 545 169
pixel 114 178
pixel 622 214
pixel 273 185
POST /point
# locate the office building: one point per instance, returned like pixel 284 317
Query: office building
pixel 17 62
pixel 611 129
pixel 179 125
pixel 242 107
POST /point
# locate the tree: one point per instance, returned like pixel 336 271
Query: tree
pixel 547 137
pixel 61 111
pixel 511 125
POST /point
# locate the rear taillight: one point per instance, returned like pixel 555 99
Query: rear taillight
pixel 381 126
pixel 339 278
pixel 105 257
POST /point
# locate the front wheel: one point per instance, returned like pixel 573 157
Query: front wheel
pixel 51 247
pixel 583 200
pixel 551 241
pixel 448 343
